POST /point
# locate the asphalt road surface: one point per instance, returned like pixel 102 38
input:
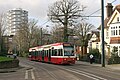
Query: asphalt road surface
pixel 43 71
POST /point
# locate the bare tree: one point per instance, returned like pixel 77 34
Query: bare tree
pixel 65 12
pixel 26 36
pixel 57 33
pixel 83 30
pixel 2 28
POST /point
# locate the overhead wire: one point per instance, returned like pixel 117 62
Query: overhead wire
pixel 100 9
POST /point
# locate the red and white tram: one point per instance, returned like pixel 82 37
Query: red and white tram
pixel 58 53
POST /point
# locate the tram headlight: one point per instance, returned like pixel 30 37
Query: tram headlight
pixel 65 59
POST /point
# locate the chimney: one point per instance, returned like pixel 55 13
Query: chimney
pixel 109 9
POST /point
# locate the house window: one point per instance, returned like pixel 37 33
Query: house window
pixel 119 32
pixel 97 46
pixel 107 33
pixel 112 32
pixel 115 31
pixel 117 19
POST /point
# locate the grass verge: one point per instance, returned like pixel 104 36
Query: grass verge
pixel 2 58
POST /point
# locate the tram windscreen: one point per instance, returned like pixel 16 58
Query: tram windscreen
pixel 68 51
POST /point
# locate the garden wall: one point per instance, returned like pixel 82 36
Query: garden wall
pixel 9 64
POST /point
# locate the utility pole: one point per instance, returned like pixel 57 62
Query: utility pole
pixel 102 35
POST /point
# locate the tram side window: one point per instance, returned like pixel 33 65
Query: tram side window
pixel 39 53
pixel 33 53
pixel 54 52
pixel 47 53
pixel 60 53
pixel 44 52
pixel 30 53
pixel 36 53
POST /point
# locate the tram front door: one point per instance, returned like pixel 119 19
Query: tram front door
pixel 43 55
pixel 49 55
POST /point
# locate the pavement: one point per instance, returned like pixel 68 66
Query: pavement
pixel 112 66
pixel 7 70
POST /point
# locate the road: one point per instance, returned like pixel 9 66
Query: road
pixel 43 71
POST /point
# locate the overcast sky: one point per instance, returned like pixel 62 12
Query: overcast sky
pixel 38 8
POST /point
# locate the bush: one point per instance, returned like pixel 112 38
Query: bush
pixel 84 58
pixel 3 54
pixel 114 60
pixel 96 54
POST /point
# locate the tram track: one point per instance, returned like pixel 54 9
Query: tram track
pixel 50 73
pixel 94 70
pixel 89 75
pixel 58 74
pixel 75 72
pixel 100 69
pixel 55 77
pixel 38 68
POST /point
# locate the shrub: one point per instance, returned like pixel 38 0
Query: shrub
pixel 96 54
pixel 6 62
pixel 84 58
pixel 115 59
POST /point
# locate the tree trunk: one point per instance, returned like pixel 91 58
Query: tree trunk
pixel 65 30
pixel 83 50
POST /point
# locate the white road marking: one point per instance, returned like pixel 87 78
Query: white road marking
pixel 32 74
pixel 26 74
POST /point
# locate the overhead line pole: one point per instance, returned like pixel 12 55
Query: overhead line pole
pixel 102 34
pixel 41 37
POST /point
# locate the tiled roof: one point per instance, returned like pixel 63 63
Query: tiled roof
pixel 97 33
pixel 108 18
pixel 105 23
pixel 118 7
pixel 97 40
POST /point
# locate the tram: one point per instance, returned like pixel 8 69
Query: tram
pixel 58 53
